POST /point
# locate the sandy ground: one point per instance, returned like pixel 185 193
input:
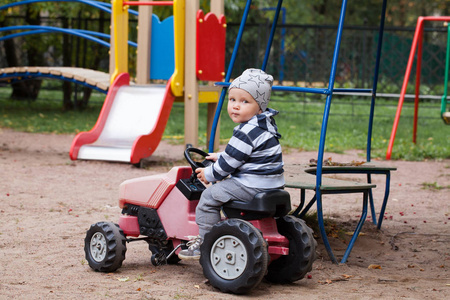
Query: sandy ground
pixel 48 202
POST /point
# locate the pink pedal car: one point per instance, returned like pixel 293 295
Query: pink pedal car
pixel 255 240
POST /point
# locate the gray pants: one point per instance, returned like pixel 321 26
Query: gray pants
pixel 208 210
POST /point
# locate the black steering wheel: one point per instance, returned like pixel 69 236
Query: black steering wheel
pixel 196 164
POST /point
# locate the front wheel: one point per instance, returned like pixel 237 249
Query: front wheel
pixel 234 256
pixel 105 246
pixel 302 251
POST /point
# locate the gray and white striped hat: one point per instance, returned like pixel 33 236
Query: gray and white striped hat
pixel 257 83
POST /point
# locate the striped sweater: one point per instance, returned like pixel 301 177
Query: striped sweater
pixel 253 154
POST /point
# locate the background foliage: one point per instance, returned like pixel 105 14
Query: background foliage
pixel 307 22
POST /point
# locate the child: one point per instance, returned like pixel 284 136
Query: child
pixel 252 157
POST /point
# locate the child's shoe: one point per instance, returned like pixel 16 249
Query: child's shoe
pixel 193 250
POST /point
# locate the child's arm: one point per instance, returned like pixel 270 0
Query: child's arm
pixel 236 153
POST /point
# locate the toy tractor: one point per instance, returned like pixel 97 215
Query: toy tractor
pixel 254 240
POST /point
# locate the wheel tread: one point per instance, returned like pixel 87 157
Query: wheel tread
pixel 287 269
pixel 116 247
pixel 258 253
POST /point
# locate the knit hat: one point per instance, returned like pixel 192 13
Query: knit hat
pixel 257 83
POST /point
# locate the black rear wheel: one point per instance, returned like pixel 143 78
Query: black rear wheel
pixel 302 251
pixel 234 256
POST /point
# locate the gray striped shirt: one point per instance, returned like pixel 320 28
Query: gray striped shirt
pixel 253 154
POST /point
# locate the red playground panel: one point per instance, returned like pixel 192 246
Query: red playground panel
pixel 210 47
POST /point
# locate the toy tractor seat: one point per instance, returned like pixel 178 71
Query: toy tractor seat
pixel 273 203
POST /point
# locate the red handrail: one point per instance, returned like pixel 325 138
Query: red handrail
pixel 153 3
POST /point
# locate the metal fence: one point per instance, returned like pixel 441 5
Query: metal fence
pixel 300 55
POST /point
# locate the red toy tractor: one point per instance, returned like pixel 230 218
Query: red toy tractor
pixel 255 239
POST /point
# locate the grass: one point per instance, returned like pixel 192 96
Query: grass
pixel 434 186
pixel 46 113
pixel 299 123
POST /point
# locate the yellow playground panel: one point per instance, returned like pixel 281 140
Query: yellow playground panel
pixel 184 83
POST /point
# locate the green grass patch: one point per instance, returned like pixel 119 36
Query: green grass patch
pixel 434 186
pixel 46 114
pixel 299 123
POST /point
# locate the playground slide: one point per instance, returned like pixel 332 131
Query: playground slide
pixel 130 125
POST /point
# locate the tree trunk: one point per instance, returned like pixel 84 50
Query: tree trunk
pixel 67 86
pixel 29 89
pixel 96 53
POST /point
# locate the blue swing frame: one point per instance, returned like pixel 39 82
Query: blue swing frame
pixel 329 94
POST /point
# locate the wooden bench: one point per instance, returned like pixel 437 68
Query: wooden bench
pixel 304 180
pixel 368 168
pixel 303 177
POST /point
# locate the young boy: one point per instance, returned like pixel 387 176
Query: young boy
pixel 252 157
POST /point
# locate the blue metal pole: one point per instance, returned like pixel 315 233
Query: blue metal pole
pixel 55 29
pixel 37 29
pixel 375 80
pixel 330 94
pixel 96 4
pixel 100 5
pixel 287 88
pixel 228 76
pixel 385 199
pixel 357 230
pixel 272 34
pixel 283 36
pixel 324 131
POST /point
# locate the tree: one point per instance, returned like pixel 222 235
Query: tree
pixel 34 50
pixel 33 54
pixel 321 12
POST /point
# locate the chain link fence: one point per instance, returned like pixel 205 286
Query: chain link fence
pixel 302 54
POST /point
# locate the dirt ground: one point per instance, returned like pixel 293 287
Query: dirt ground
pixel 48 202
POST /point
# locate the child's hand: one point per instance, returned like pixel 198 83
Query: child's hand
pixel 212 156
pixel 201 175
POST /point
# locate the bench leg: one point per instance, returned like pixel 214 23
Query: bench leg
pixel 302 203
pixel 372 206
pixel 323 233
pixel 386 196
pixel 310 203
pixel 357 229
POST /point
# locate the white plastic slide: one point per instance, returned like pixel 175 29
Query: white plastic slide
pixel 130 125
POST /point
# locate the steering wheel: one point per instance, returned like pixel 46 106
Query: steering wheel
pixel 196 164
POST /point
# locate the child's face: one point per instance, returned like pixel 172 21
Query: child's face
pixel 241 106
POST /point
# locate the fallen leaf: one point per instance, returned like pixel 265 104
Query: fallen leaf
pixel 346 276
pixel 328 281
pixel 197 286
pixel 124 279
pixel 351 233
pixel 372 266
